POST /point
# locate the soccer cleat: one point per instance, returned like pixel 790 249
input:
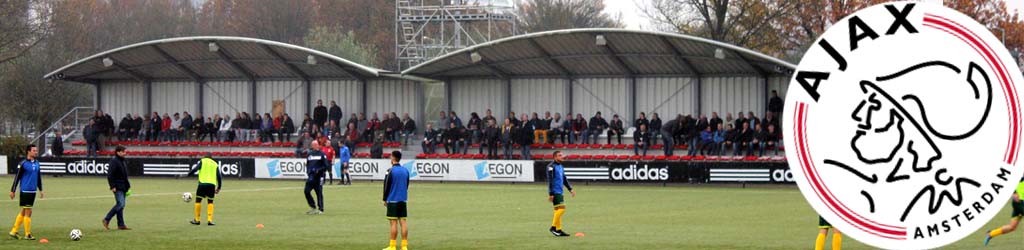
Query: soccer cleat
pixel 210 223
pixel 554 232
pixel 318 212
pixel 389 248
pixel 194 222
pixel 562 234
pixel 312 211
pixel 988 237
pixel 29 237
pixel 405 248
pixel 15 236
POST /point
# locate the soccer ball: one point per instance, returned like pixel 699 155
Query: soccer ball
pixel 76 234
pixel 187 197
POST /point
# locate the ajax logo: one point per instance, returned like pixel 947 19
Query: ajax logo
pixel 906 124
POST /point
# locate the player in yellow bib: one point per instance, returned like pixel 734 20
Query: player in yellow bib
pixel 209 186
pixel 1015 216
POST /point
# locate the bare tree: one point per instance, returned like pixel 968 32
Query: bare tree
pixel 24 24
pixel 542 15
pixel 748 23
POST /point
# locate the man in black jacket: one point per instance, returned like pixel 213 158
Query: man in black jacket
pixel 490 139
pixel 430 139
pixel 319 113
pixel 775 104
pixel 597 126
pixel 335 113
pixel 616 129
pixel 408 128
pixel 58 144
pixel 525 139
pixel 91 136
pixel 667 130
pixel 287 128
pixel 117 180
pixel 641 140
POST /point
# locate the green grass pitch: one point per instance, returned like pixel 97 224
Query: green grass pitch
pixel 442 216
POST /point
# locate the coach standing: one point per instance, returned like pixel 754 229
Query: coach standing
pixel 319 114
pixel 316 165
pixel 666 134
pixel 117 179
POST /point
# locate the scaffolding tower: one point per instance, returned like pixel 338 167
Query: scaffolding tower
pixel 425 29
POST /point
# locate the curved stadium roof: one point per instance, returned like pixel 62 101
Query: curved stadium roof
pixel 205 58
pixel 600 52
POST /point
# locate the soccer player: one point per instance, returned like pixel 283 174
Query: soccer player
pixel 396 190
pixel 823 227
pixel 209 186
pixel 1015 216
pixel 316 165
pixel 325 146
pixel 31 183
pixel 344 156
pixel 556 179
pixel 117 180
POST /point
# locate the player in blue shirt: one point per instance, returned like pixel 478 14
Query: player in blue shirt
pixel 31 182
pixel 316 165
pixel 396 194
pixel 344 156
pixel 556 179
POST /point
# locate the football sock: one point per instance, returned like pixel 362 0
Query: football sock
pixel 17 223
pixel 557 220
pixel 837 241
pixel 391 243
pixel 997 232
pixel 28 225
pixel 405 243
pixel 819 244
pixel 209 212
pixel 197 211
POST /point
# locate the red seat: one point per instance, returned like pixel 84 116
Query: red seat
pixel 598 157
pixel 699 158
pixel 622 157
pixel 649 158
pixel 656 147
pixel 660 157
pixel 573 157
pixel 620 146
pixel 608 146
pixel 586 157
pixel 559 145
pixel 596 146
pixel 673 158
pixel 635 157
pixel 387 155
pixel 686 158
pixel 571 146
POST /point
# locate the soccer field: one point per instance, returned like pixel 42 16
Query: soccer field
pixel 442 216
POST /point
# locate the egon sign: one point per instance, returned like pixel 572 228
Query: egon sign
pixel 906 125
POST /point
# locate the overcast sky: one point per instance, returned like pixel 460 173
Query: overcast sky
pixel 634 19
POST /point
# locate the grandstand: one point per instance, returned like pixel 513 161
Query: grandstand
pixel 582 71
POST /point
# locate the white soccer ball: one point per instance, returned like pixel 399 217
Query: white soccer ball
pixel 76 234
pixel 187 197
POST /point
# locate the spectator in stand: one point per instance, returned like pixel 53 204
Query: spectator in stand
pixel 775 104
pixel 408 128
pixel 642 120
pixel 329 129
pixel 453 139
pixel 558 128
pixel 655 128
pixel 351 136
pixel 443 121
pixel 696 138
pixel 175 129
pixel 377 149
pixel 714 122
pixel 267 129
pixel 165 128
pixel 124 128
pixel 144 128
pixel 335 113
pixel 757 141
pixel 430 139
pixel 204 129
pixel 353 119
pixel 743 139
pixel 302 148
pixel 718 136
pixel 535 124
pixel 703 143
pixel 579 130
pixel 641 140
pixel 307 123
pixel 729 119
pixel 515 120
pixel 525 139
pixel 236 126
pixel 597 127
pixel 771 139
pixel 686 131
pixel 57 146
pixel 185 127
pixel 616 128
pixel 224 128
pixel 490 138
pixel 753 120
pixel 136 128
pixel 473 128
pixel 740 122
pixel 320 113
pixel 256 127
pixel 316 131
pixel 729 139
pixel 542 126
pixel 287 128
pixel 667 131
pixel 507 138
pixel 488 118
pixel 363 127
pixel 91 137
pixel 396 128
pixel 771 119
pixel 455 119
pixel 373 126
pixel 278 125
